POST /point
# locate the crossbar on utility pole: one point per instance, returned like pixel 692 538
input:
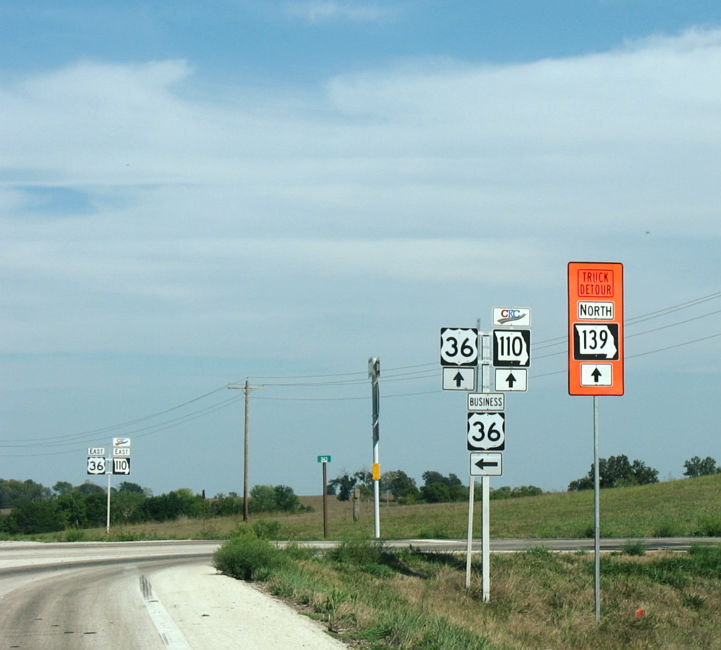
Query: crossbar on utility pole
pixel 246 430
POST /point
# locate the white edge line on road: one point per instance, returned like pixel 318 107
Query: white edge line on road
pixel 169 632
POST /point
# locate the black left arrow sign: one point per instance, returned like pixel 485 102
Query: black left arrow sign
pixel 483 463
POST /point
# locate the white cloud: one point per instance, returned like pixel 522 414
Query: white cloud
pixel 433 178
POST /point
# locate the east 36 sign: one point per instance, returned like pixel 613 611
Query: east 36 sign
pixel 96 465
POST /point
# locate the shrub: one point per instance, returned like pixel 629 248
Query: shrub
pixel 362 555
pixel 247 557
pixel 266 529
pixel 709 526
pixel 634 547
pixel 667 528
pixel 357 551
pixel 74 535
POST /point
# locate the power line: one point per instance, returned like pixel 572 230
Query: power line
pixel 644 354
pixel 140 432
pixel 396 374
pixel 122 425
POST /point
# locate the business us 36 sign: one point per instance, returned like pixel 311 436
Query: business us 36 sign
pixel 486 431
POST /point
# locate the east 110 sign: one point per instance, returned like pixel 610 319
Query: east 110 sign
pixel 121 466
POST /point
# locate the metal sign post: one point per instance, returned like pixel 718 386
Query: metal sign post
pixel 374 371
pixel 107 509
pixel 119 463
pixel 596 514
pixel 465 351
pixel 485 485
pixel 471 476
pixel 595 359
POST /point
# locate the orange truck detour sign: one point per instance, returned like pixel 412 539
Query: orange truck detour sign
pixel 595 328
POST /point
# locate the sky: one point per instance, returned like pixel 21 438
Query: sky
pixel 193 194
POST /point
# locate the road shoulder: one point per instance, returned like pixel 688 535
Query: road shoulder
pixel 215 611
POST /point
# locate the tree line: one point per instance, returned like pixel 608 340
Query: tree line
pixel 38 509
pixel 436 487
pixel 33 508
pixel 618 471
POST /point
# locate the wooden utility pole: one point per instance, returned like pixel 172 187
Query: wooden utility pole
pixel 246 430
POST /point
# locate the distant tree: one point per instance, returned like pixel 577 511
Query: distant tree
pixel 399 484
pixel 643 474
pixel 29 517
pixel 13 492
pixel 432 476
pixel 222 506
pixel 126 486
pixel 90 488
pixel 285 499
pixel 268 498
pixel 344 484
pixel 96 509
pixel 73 505
pixel 617 471
pixel 126 506
pixel 583 483
pixel 506 492
pixel 364 481
pixel 438 488
pixel 62 487
pixel 697 467
pixel 435 493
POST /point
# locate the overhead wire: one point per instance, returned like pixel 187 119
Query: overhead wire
pixel 394 374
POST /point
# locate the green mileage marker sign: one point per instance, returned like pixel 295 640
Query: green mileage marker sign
pixel 324 459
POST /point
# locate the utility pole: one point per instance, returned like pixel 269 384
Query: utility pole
pixel 246 430
pixel 374 371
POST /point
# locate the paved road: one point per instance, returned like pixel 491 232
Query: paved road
pixel 166 594
pixel 139 595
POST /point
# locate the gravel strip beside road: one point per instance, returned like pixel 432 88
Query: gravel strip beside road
pixel 215 611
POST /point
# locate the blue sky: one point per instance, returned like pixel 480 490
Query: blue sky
pixel 195 193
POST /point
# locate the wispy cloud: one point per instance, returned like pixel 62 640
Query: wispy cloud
pixel 400 177
pixel 321 11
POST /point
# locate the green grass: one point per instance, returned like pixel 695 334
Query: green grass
pixel 371 597
pixel 685 507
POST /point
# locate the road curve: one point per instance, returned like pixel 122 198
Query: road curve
pixel 167 595
pixel 139 595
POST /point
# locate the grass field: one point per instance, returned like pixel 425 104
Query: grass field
pixel 677 508
pixel 405 599
pixel 375 598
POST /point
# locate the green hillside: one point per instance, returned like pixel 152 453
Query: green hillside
pixel 675 508
pixel 685 507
